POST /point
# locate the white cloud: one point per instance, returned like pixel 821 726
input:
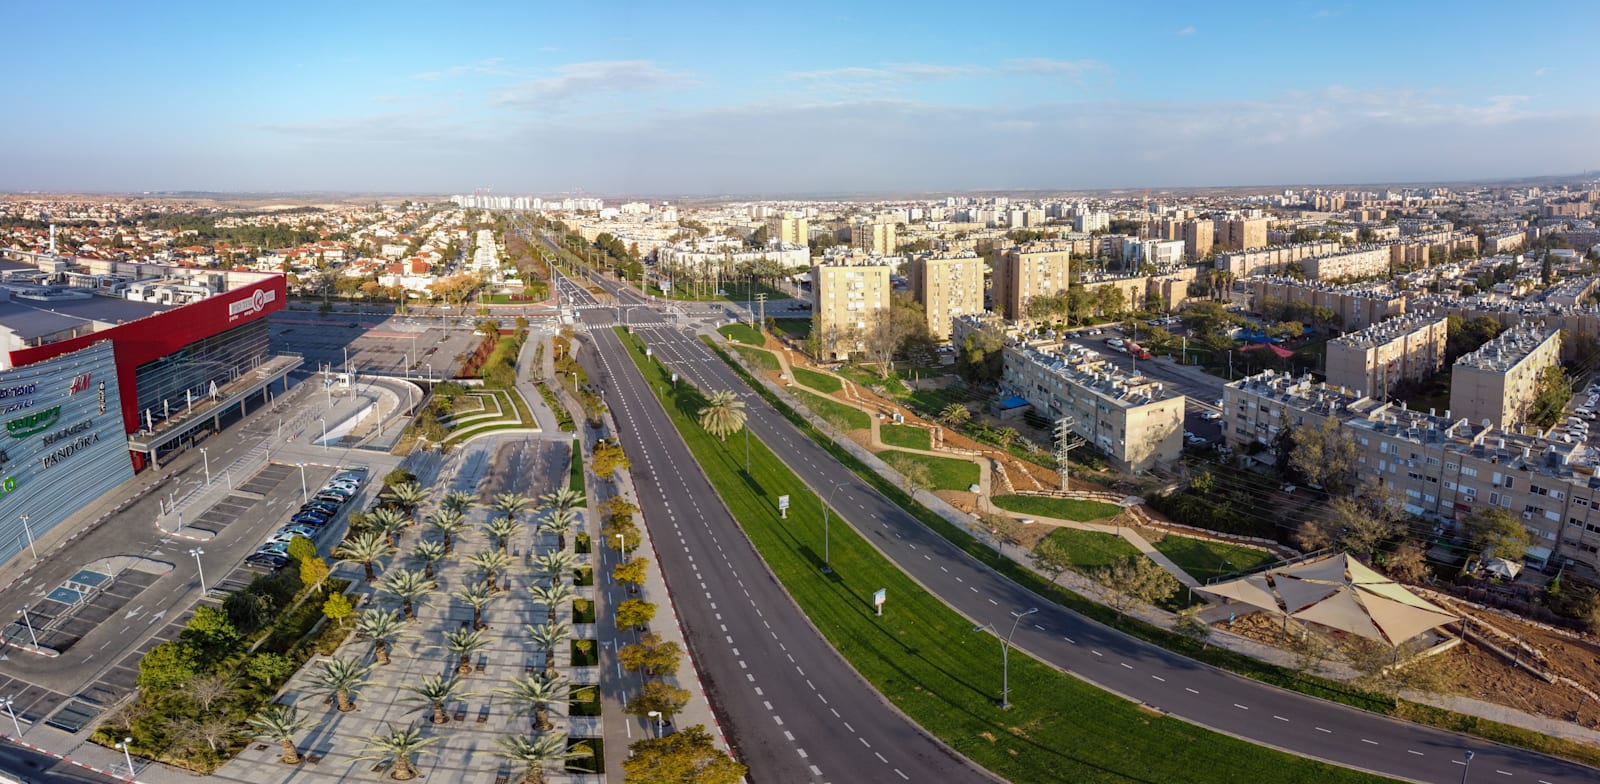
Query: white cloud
pixel 1541 71
pixel 491 67
pixel 581 79
pixel 1187 31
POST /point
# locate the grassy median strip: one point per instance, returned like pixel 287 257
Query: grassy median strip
pixel 925 658
pixel 1282 677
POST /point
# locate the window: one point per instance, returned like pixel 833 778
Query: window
pixel 1494 499
pixel 1580 501
pixel 1449 485
pixel 1449 466
pixel 1470 492
pixel 1511 482
pixel 1469 471
pixel 1431 461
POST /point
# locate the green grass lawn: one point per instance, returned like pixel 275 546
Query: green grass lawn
pixel 821 382
pixel 1203 558
pixel 757 357
pixel 869 378
pixel 1092 549
pixel 744 333
pixel 838 414
pixel 924 658
pixel 795 328
pixel 731 292
pixel 575 471
pixel 943 473
pixel 563 418
pixel 1059 508
pixel 906 436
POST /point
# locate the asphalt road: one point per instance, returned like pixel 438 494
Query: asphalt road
pixel 1187 689
pixel 25 764
pixel 790 705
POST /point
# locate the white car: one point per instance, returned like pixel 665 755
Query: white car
pixel 1210 416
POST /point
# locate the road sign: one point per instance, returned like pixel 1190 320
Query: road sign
pixel 878 598
pixel 783 506
pixel 649 351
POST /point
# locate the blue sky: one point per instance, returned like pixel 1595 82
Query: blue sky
pixel 656 98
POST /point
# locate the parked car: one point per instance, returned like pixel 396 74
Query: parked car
pixel 332 498
pixel 320 506
pixel 267 560
pixel 1210 416
pixel 298 529
pixel 315 519
pixel 279 548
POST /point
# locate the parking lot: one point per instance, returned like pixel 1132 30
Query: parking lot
pixel 396 346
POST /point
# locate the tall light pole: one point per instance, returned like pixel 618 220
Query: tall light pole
pixel 197 552
pixel 304 496
pixel 7 702
pixel 324 421
pixel 827 558
pixel 622 547
pixel 1005 653
pixel 29 531
pixel 206 457
pixel 652 714
pixel 126 755
pixel 29 623
pixel 1466 766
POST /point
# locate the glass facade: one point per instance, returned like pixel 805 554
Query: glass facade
pixel 166 384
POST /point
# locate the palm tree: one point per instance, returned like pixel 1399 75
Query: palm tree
pixel 539 694
pixel 428 553
pixel 366 549
pixel 434 692
pixel 390 522
pixel 551 596
pixel 458 501
pixel 477 596
pixel 954 415
pixel 397 745
pixel 544 750
pixel 281 723
pixel 409 496
pixel 449 522
pixel 462 643
pixel 341 678
pixel 502 529
pixel 555 564
pixel 511 504
pixel 559 522
pixel 563 498
pixel 383 628
pixel 723 415
pixel 409 586
pixel 492 563
pixel 546 638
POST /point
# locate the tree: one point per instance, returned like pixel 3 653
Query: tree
pixel 1190 625
pixel 889 329
pixel 562 499
pixel 501 529
pixel 631 573
pixel 1409 562
pixel 657 696
pixel 688 756
pixel 538 695
pixel 1364 524
pixel 1135 580
pixel 1315 533
pixel 210 689
pixel 607 458
pixel 450 522
pixel 491 563
pixel 459 501
pixel 383 627
pixel 366 549
pixel 635 612
pixel 337 608
pixel 409 496
pixel 546 638
pixel 1325 455
pixel 396 747
pixel 723 414
pixel 341 678
pixel 955 415
pixel 1550 397
pixel 313 571
pixel 210 634
pixel 554 565
pixel 1051 557
pixel 1006 529
pixel 546 749
pixel 560 522
pixel 477 596
pixel 462 644
pixel 551 597
pixel 652 656
pixel 428 553
pixel 511 504
pixel 1495 529
pixel 979 358
pixel 281 723
pixel 390 522
pixel 433 692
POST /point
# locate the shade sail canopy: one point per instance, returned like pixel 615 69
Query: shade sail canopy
pixel 1341 593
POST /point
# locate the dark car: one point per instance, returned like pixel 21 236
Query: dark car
pixel 326 507
pixel 268 560
pixel 331 498
pixel 311 518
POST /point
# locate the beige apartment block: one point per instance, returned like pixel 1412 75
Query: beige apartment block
pixel 846 300
pixel 1241 233
pixel 948 287
pixel 1498 382
pixel 1359 263
pixel 788 228
pixel 876 238
pixel 1136 422
pixel 1022 272
pixel 1375 359
pixel 1273 260
pixel 1357 307
pixel 1199 237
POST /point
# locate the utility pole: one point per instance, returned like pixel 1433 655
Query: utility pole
pixel 761 300
pixel 1065 442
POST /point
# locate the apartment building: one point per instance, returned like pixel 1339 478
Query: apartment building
pixel 1508 242
pixel 1241 233
pixel 789 228
pixel 846 297
pixel 1271 260
pixel 1356 307
pixel 1375 359
pixel 1361 262
pixel 1199 237
pixel 1442 468
pixel 874 237
pixel 1497 383
pixel 948 287
pixel 1136 422
pixel 1022 272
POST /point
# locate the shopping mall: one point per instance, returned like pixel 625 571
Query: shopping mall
pixel 176 351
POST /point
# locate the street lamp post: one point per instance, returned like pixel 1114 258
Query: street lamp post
pixel 622 547
pixel 29 531
pixel 197 552
pixel 657 716
pixel 1005 653
pixel 1466 766
pixel 827 559
pixel 304 496
pixel 206 458
pixel 7 702
pixel 29 623
pixel 126 755
pixel 324 422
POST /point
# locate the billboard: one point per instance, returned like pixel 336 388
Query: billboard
pixel 156 336
pixel 63 445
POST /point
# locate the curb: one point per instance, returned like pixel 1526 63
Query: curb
pixel 65 758
pixel 89 527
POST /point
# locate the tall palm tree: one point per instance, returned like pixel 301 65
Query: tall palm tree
pixel 409 496
pixel 366 549
pixel 563 498
pixel 546 638
pixel 433 692
pixel 428 553
pixel 539 694
pixel 491 563
pixel 502 529
pixel 383 627
pixel 511 504
pixel 459 501
pixel 341 678
pixel 390 522
pixel 723 415
pixel 546 749
pixel 281 723
pixel 451 523
pixel 559 522
pixel 555 564
pixel 462 643
pixel 409 586
pixel 551 596
pixel 477 596
pixel 398 746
